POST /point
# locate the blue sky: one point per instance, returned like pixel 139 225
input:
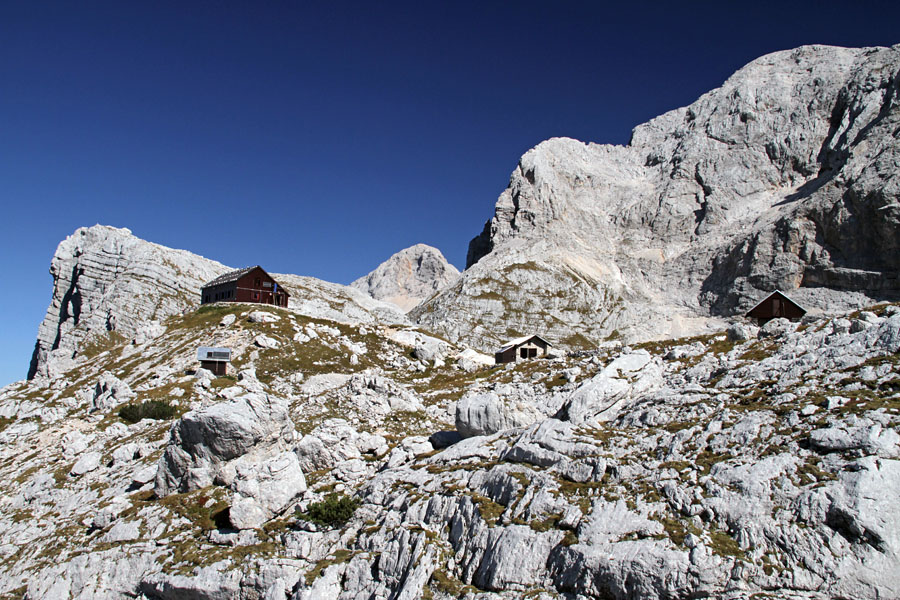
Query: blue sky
pixel 342 131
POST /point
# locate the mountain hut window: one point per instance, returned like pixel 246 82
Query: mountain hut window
pixel 256 282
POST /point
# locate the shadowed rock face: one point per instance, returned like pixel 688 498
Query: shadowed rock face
pixel 785 177
pixel 409 277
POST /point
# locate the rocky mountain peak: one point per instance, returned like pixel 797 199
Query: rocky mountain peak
pixel 409 276
pixel 106 280
pixel 785 177
pixel 110 285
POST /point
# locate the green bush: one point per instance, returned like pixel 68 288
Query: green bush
pixel 149 409
pixel 334 510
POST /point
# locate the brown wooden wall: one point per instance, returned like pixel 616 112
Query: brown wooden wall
pixel 774 307
pixel 249 288
pixel 218 367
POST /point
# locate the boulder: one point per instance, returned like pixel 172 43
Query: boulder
pixel 261 316
pixel 202 441
pixel 110 391
pixel 265 341
pixel 264 488
pixel 488 413
pixel 622 381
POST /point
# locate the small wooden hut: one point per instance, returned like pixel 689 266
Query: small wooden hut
pixel 523 348
pixel 252 284
pixel 776 306
pixel 214 359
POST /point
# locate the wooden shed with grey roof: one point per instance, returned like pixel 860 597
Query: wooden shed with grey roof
pixel 251 284
pixel 776 306
pixel 523 348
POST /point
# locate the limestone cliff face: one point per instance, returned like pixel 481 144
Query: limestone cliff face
pixel 107 280
pixel 409 277
pixel 784 177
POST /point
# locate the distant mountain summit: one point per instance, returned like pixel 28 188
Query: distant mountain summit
pixel 409 277
pixel 786 177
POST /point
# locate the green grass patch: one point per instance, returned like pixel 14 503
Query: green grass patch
pixel 724 545
pixel 205 508
pixel 447 584
pixel 101 343
pixel 706 459
pixel 489 510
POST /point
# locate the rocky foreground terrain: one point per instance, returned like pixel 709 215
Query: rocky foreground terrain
pixel 749 463
pixel 359 451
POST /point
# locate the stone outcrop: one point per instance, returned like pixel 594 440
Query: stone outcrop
pixel 107 281
pixel 409 277
pixel 785 177
pixel 109 284
pixel 204 443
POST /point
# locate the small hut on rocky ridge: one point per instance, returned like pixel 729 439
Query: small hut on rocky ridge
pixel 523 348
pixel 252 284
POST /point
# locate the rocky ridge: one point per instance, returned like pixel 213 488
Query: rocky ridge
pixel 109 285
pixel 783 178
pixel 409 277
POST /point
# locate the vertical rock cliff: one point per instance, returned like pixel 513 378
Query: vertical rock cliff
pixel 106 280
pixel 785 177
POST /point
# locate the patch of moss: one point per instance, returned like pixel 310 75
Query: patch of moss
pixel 578 493
pixel 489 510
pixel 809 472
pixel 447 584
pixel 102 343
pixel 758 351
pixel 724 545
pixel 706 459
pixel 205 508
pixel 570 538
pixel 546 524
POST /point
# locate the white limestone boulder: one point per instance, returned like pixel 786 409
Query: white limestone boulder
pixel 488 413
pixel 202 441
pixel 623 380
pixel 264 488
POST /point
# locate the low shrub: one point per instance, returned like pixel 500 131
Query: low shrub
pixel 149 409
pixel 333 511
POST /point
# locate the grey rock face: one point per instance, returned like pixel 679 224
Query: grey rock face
pixel 486 414
pixel 784 177
pixel 409 277
pixel 202 442
pixel 264 488
pixel 107 280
